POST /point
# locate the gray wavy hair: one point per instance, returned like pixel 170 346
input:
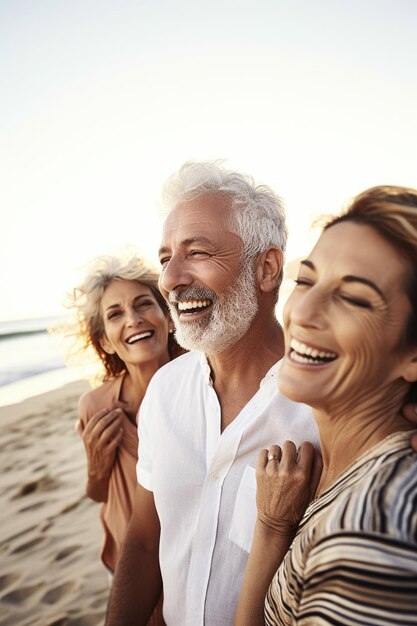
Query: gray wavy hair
pixel 85 301
pixel 259 216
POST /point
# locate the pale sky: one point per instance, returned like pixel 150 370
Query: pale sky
pixel 101 101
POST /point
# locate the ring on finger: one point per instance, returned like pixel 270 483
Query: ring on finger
pixel 273 457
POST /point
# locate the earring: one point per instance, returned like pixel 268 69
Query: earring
pixel 171 330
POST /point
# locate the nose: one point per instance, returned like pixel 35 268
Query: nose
pixel 133 316
pixel 306 309
pixel 174 275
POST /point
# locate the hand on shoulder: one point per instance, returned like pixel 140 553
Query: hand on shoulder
pixel 286 479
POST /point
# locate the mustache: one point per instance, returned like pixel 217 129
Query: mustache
pixel 191 293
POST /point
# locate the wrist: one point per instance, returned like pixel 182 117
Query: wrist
pixel 97 489
pixel 98 476
pixel 279 528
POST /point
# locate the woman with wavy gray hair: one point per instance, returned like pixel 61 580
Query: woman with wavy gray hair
pixel 123 317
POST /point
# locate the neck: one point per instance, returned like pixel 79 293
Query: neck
pixel 347 432
pixel 238 371
pixel 258 350
pixel 137 380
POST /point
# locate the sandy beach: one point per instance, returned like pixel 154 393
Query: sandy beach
pixel 50 535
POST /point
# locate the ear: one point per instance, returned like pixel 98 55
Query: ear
pixel 104 343
pixel 268 269
pixel 410 367
pixel 171 325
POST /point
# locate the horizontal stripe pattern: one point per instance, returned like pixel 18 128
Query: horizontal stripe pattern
pixel 354 558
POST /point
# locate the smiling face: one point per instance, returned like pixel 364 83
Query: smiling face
pixel 345 320
pixel 213 300
pixel 135 327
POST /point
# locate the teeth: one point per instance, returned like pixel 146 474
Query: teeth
pixel 298 358
pixel 140 336
pixel 301 359
pixel 195 304
pixel 308 351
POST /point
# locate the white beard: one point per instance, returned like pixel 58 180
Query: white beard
pixel 231 316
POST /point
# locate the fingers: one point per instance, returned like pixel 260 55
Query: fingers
pixel 262 460
pixel 410 413
pixel 103 417
pixel 79 427
pixel 114 440
pixel 274 455
pixel 289 455
pixel 266 457
pixel 101 422
pixel 102 437
pixel 94 424
pixel 414 442
pixel 284 476
pixel 285 459
pixel 305 456
pixel 316 472
pixel 108 435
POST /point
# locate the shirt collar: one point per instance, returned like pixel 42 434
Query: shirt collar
pixel 205 367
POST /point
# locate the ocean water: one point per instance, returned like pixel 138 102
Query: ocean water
pixel 32 361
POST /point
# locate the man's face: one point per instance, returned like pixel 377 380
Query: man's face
pixel 212 298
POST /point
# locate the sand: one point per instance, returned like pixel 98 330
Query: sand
pixel 50 535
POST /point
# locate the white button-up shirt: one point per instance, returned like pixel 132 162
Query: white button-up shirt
pixel 203 482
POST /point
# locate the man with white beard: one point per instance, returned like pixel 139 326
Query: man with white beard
pixel 207 414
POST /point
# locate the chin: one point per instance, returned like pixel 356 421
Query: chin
pixel 292 389
pixel 293 394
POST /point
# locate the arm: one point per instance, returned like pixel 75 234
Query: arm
pixel 285 485
pixel 137 584
pixel 101 437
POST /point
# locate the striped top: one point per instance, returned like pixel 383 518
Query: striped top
pixel 354 558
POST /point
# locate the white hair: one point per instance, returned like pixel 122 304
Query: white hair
pixel 258 216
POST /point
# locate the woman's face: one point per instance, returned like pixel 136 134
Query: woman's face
pixel 135 327
pixel 345 320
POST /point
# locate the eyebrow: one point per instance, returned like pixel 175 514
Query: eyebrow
pixel 187 242
pixel 365 281
pixel 308 263
pixel 352 279
pixel 117 304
